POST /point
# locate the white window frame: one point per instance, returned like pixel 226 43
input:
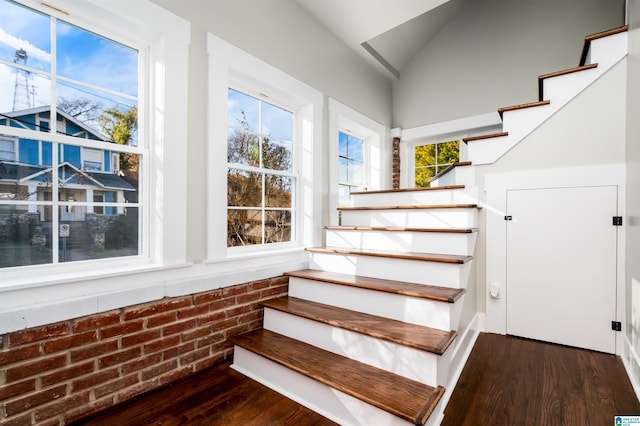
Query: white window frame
pixel 164 37
pixel 363 185
pixel 230 66
pixel 14 141
pixel 341 117
pixel 86 152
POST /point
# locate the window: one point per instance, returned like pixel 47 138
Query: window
pixel 350 166
pixel 56 71
pixel 432 159
pixel 260 172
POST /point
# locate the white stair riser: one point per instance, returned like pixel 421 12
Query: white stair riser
pixel 329 402
pixel 412 218
pixel 460 175
pixel 609 50
pixel 414 198
pixel 402 360
pixel 434 273
pixel 413 310
pixel 404 241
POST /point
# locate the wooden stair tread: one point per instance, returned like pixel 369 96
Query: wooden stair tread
pixel 421 291
pixel 588 39
pixel 401 229
pixel 412 207
pixel 427 257
pixel 523 106
pixel 482 137
pixel 411 335
pixel 390 191
pixel 405 398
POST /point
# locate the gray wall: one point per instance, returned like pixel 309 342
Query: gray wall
pixel 490 54
pixel 282 34
pixel 633 179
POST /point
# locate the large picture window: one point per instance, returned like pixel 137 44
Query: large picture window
pixel 350 166
pixel 432 159
pixel 70 190
pixel 261 180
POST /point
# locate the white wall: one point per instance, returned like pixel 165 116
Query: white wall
pixel 632 330
pixel 282 34
pixel 491 53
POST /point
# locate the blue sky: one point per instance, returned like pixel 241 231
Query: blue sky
pixel 276 122
pixel 81 56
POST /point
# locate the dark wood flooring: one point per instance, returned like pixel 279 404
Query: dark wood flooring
pixel 507 381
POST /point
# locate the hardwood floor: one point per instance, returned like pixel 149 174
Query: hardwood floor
pixel 514 381
pixel 507 381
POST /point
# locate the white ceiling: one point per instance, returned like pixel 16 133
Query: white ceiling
pixel 387 33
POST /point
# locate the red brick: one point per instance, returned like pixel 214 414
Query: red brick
pixel 251 297
pixel 211 317
pixel 115 386
pixel 120 329
pixel 96 321
pixel 67 373
pixel 209 340
pixel 195 356
pixel 35 399
pixel 62 405
pixel 88 409
pixel 207 363
pixel 175 303
pixel 178 350
pixel 19 354
pixel 38 333
pixel 23 420
pixel 159 369
pixel 66 342
pixel 235 290
pixel 270 292
pixel 238 310
pixel 32 368
pixel 119 357
pixel 257 285
pixel 196 333
pixel 174 375
pixel 95 379
pixel 139 338
pixel 141 363
pixel 192 311
pixel 9 391
pixel 250 317
pixel 207 297
pixel 161 319
pixel 94 350
pixel 179 327
pixel 140 311
pixel 225 324
pixel 222 304
pixel 161 344
pixel 133 391
pixel 234 331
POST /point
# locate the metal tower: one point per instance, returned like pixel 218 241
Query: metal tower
pixel 22 95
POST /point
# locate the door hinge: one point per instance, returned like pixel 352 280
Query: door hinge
pixel 616 325
pixel 508 218
pixel 617 221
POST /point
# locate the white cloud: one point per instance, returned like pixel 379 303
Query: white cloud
pixel 17 43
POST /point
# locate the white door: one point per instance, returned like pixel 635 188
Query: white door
pixel 561 265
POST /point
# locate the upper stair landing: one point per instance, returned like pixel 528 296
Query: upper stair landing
pixel 556 89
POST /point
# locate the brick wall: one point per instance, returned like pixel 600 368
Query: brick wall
pixel 58 373
pixel 395 164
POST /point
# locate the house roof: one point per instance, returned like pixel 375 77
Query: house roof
pixel 68 117
pixel 21 173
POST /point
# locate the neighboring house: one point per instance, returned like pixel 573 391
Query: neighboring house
pixel 84 174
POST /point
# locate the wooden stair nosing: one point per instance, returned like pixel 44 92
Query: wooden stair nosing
pixel 481 137
pixel 543 77
pixel 401 229
pixel 449 168
pixel 390 191
pixel 402 397
pixel 422 291
pixel 588 39
pixel 502 110
pixel 419 337
pixel 412 207
pixel 426 257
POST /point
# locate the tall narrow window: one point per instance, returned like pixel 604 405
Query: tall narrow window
pixel 350 166
pixel 432 159
pixel 261 180
pixel 71 105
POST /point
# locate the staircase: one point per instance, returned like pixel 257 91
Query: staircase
pixel 367 335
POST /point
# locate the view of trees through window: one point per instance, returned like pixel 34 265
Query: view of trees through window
pixel 432 159
pixel 350 166
pixel 74 196
pixel 260 172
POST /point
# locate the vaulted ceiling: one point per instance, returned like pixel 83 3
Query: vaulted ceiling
pixel 387 33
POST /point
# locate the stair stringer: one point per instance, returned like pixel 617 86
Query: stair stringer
pixel 560 90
